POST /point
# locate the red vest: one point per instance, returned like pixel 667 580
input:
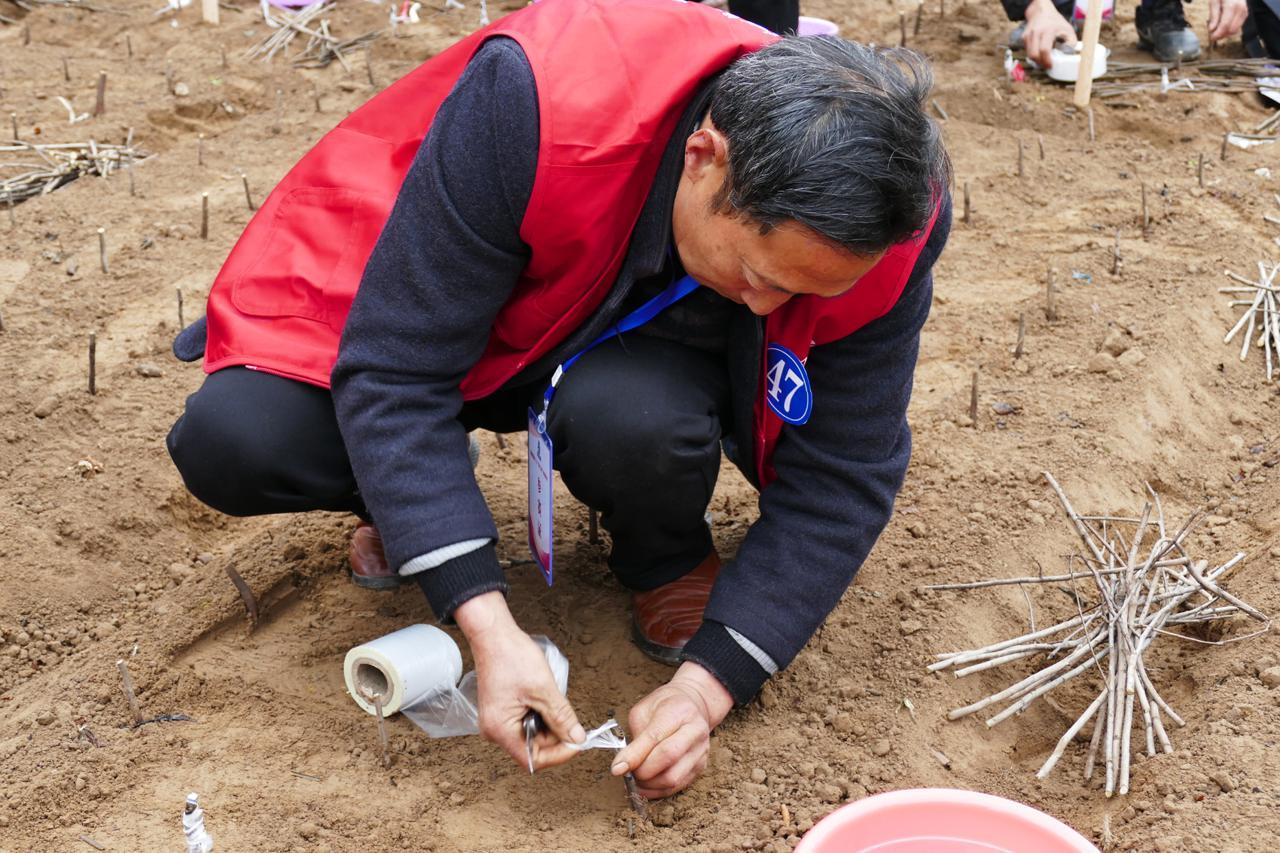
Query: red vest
pixel 613 78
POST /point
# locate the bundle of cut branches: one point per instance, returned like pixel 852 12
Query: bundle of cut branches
pixel 31 5
pixel 1144 585
pixel 28 169
pixel 1261 319
pixel 322 46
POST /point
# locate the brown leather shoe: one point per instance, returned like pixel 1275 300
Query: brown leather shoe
pixel 369 567
pixel 664 619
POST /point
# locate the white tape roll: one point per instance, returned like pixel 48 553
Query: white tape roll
pixel 404 666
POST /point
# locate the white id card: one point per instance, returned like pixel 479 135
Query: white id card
pixel 541 500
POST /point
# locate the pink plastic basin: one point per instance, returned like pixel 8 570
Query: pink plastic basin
pixel 941 820
pixel 816 27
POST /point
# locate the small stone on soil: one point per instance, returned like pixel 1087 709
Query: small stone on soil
pixel 881 747
pixel 149 371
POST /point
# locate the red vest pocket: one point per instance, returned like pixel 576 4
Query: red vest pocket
pixel 311 257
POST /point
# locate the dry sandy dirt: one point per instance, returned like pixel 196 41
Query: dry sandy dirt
pixel 121 563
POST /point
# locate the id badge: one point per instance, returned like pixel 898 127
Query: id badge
pixel 541 500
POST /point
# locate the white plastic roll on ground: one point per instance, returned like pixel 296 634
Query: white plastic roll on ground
pixel 404 667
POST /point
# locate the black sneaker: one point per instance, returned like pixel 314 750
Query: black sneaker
pixel 1163 30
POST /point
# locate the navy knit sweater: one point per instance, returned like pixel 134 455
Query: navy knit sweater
pixel 445 264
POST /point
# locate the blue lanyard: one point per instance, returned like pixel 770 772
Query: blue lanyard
pixel 673 293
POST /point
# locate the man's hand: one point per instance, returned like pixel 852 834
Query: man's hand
pixel 513 678
pixel 671 728
pixel 1226 18
pixel 1045 27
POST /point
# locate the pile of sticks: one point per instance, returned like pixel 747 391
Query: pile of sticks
pixel 322 46
pixel 1144 585
pixel 45 167
pixel 1261 319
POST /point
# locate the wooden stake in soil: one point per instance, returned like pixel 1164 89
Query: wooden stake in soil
pixel 100 105
pixel 199 149
pixel 1020 158
pixel 66 70
pixel 1022 335
pixel 126 684
pixel 248 199
pixel 1050 309
pixel 915 31
pixel 93 363
pixel 204 216
pixel 26 35
pixel 941 112
pixel 1084 80
pixel 128 45
pixel 902 27
pixel 1040 142
pixel 966 203
pixel 13 120
pixel 1200 170
pixel 1092 136
pixel 13 217
pixel 1 321
pixel 1116 263
pixel 181 322
pixel 368 66
pixel 128 167
pixel 209 12
pixel 1222 155
pixel 973 401
pixel 317 96
pixel 102 250
pixel 1146 220
pixel 225 64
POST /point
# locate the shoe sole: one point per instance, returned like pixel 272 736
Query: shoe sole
pixel 654 651
pixel 387 583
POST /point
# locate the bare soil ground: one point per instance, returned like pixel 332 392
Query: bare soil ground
pixel 122 564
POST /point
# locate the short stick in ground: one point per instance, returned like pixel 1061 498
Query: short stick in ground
pixel 1040 142
pixel 1146 218
pixel 93 363
pixel 248 197
pixel 1092 136
pixel 915 30
pixel 902 28
pixel 66 71
pixel 246 595
pixel 1200 169
pixel 1050 306
pixel 126 684
pixel 1022 335
pixel 13 120
pixel 102 250
pixel 1021 168
pixel 1226 142
pixel 199 149
pixel 128 46
pixel 182 324
pixel 1116 263
pixel 973 401
pixel 204 216
pixel 966 203
pixel 100 104
pixel 942 113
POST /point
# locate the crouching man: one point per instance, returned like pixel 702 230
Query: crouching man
pixel 759 214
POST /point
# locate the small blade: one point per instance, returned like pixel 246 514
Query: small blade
pixel 530 731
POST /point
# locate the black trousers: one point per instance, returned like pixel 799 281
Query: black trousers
pixel 780 16
pixel 636 425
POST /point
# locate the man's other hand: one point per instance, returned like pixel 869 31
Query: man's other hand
pixel 671 731
pixel 1045 27
pixel 513 678
pixel 1226 18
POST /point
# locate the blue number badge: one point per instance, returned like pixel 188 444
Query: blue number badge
pixel 788 392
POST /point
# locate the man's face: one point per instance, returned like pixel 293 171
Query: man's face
pixel 729 254
pixel 190 808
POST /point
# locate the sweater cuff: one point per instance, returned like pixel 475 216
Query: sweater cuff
pixel 716 651
pixel 450 584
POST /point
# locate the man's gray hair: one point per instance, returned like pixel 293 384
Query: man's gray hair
pixel 832 135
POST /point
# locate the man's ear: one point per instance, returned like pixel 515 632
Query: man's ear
pixel 706 150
